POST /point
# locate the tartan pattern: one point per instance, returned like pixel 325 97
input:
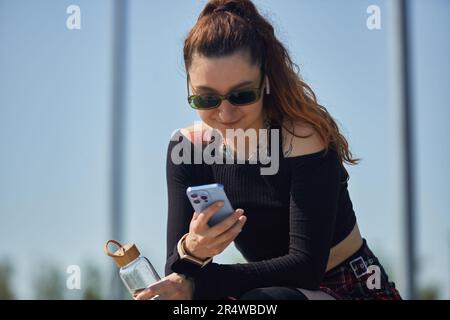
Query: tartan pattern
pixel 347 281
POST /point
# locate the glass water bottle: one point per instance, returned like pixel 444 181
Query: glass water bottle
pixel 136 272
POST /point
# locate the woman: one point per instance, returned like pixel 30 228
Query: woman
pixel 301 240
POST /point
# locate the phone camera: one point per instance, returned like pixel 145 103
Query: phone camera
pixel 194 195
pixel 196 201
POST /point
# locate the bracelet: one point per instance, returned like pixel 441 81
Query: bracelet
pixel 186 250
pixel 185 255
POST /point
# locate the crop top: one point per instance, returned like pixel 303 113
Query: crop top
pixel 294 218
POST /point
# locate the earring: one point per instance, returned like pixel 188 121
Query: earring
pixel 267 85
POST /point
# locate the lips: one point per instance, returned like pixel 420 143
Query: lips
pixel 230 123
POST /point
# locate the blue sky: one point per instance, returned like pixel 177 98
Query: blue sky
pixel 55 97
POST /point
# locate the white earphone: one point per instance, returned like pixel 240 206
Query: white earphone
pixel 267 85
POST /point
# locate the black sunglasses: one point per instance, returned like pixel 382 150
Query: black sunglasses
pixel 236 98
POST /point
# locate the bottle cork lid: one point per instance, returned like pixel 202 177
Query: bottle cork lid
pixel 124 254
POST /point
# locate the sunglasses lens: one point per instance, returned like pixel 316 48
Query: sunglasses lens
pixel 238 98
pixel 243 97
pixel 206 101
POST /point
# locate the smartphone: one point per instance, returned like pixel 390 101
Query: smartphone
pixel 203 196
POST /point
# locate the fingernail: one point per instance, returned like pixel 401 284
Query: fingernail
pixel 220 204
pixel 240 211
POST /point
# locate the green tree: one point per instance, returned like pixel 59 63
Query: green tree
pixel 49 283
pixel 92 279
pixel 6 271
pixel 430 292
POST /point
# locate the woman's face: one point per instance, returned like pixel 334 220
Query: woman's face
pixel 221 76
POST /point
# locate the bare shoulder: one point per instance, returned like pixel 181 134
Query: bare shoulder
pixel 294 146
pixel 197 134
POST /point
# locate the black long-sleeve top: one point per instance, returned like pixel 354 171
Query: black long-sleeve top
pixel 294 218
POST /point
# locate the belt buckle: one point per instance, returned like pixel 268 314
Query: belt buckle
pixel 358 266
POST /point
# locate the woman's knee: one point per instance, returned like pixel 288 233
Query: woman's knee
pixel 274 293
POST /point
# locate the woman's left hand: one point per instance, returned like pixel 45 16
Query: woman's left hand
pixel 173 287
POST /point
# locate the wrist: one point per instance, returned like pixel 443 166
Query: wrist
pixel 185 243
pixel 188 251
pixel 188 256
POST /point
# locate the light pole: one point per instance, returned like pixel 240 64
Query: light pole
pixel 118 130
pixel 403 81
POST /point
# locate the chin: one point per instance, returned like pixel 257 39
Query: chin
pixel 234 125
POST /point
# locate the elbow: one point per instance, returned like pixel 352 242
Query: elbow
pixel 312 275
pixel 317 273
pixel 311 282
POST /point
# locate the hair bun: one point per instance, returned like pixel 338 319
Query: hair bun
pixel 232 7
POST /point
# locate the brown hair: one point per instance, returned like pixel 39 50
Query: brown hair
pixel 228 26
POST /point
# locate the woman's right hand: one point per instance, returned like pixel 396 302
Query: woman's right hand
pixel 204 241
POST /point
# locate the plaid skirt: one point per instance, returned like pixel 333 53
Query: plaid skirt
pixel 359 277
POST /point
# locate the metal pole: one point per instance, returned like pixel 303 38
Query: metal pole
pixel 118 132
pixel 448 255
pixel 401 46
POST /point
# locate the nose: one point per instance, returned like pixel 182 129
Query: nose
pixel 228 112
